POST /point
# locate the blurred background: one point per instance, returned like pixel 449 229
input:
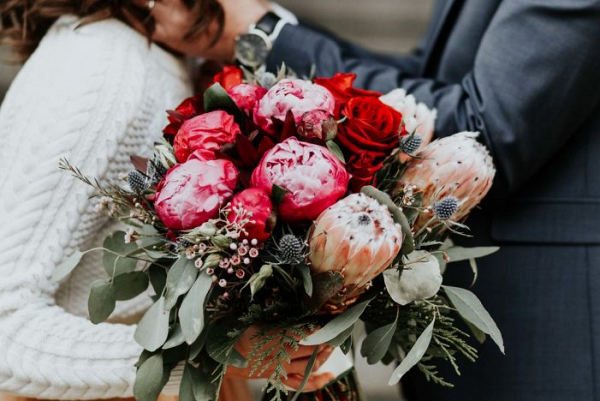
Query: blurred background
pixel 390 26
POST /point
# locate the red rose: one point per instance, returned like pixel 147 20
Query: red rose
pixel 371 126
pixel 205 134
pixel 363 168
pixel 230 76
pixel 254 206
pixel 341 88
pixel 189 108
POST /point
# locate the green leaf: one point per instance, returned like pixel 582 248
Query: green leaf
pixel 191 313
pixel 306 279
pixel 153 329
pixel 459 254
pixel 347 345
pixel 150 379
pixel 478 334
pixel 307 371
pixel 207 384
pixel 217 98
pixel 175 338
pixel 115 260
pixel 277 194
pixel 186 388
pixel 198 345
pixel 377 343
pixel 102 301
pixel 471 309
pixel 180 279
pixel 342 338
pixel 408 246
pixel 336 150
pixel 127 286
pixel 258 280
pixel 336 326
pixel 158 276
pixel 415 355
pixel 220 343
pixel 66 267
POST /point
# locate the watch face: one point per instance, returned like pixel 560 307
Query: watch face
pixel 251 50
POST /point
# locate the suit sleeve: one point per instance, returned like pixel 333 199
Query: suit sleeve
pixel 533 84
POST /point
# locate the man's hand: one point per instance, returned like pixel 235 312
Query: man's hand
pixel 174 20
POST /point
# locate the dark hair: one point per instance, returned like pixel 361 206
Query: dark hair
pixel 23 23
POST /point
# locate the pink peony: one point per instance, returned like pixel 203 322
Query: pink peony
pixel 192 193
pixel 293 95
pixel 317 126
pixel 314 178
pixel 205 134
pixel 253 205
pixel 247 96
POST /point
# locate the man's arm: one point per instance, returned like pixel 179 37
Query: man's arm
pixel 534 82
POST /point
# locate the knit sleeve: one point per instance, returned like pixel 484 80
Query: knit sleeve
pixel 78 97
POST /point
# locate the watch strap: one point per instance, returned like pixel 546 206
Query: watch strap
pixel 268 23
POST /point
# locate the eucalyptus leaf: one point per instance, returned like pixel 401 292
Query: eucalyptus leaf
pixel 206 384
pixel 377 343
pixel 66 267
pixel 127 286
pixel 307 371
pixel 115 260
pixel 153 329
pixel 306 279
pixel 337 326
pixel 471 309
pixel 408 245
pixel 478 334
pixel 102 301
pixel 198 345
pixel 341 338
pixel 336 150
pixel 459 254
pixel 180 279
pixel 415 355
pixel 347 345
pixel 221 346
pixel 258 280
pixel 150 379
pixel 158 276
pixel 186 387
pixel 191 313
pixel 175 339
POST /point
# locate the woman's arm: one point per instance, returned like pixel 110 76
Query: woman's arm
pixel 78 97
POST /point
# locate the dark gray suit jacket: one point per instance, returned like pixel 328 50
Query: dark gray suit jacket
pixel 526 74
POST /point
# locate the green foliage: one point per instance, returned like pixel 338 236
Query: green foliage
pixel 180 278
pixel 66 267
pixel 277 194
pixel 127 286
pixel 336 150
pixel 415 355
pixel 217 98
pixel 150 379
pixel 377 343
pixel 116 252
pixel 337 325
pixel 153 329
pixel 191 313
pixel 102 301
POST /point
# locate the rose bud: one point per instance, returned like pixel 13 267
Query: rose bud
pixel 254 206
pixel 418 118
pixel 230 76
pixel 247 96
pixel 314 178
pixel 193 192
pixel 455 166
pixel 204 134
pixel 356 237
pixel 295 95
pixel 317 126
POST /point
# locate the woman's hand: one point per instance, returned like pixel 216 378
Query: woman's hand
pixel 174 20
pixel 295 369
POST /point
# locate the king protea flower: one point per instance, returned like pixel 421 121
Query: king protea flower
pixel 454 168
pixel 417 117
pixel 357 237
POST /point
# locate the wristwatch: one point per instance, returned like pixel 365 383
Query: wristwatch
pixel 253 47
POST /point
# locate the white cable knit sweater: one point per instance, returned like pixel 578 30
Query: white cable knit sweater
pixel 94 95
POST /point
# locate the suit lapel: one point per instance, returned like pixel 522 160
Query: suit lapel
pixel 441 21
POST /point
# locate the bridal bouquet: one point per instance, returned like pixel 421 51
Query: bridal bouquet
pixel 296 208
